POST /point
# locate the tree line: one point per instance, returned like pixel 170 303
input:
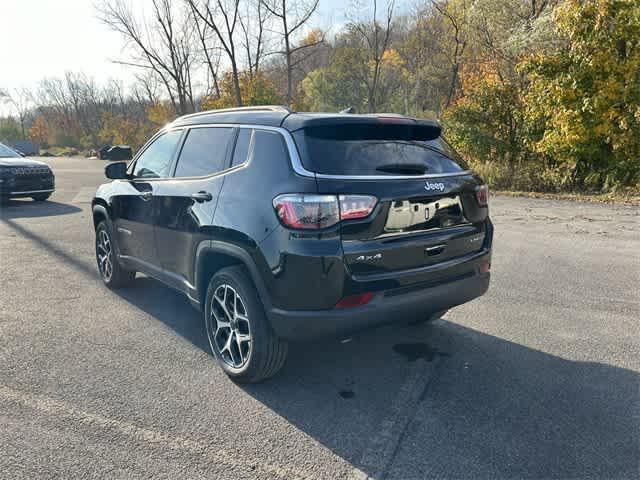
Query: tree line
pixel 536 94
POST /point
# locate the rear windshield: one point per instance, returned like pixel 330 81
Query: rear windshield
pixel 375 150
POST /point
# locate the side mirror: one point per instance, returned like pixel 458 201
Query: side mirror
pixel 116 171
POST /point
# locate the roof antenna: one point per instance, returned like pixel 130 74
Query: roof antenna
pixel 348 110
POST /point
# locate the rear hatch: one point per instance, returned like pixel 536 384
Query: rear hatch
pixel 427 210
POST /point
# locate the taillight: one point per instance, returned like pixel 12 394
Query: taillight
pixel 356 206
pixel 313 212
pixel 309 212
pixel 482 195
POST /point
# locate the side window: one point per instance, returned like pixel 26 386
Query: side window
pixel 268 146
pixel 242 147
pixel 204 152
pixel 155 161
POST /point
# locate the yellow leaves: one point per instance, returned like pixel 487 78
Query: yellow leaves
pixel 484 70
pixel 39 131
pixel 588 94
pixel 255 89
pixel 392 58
pixel 124 130
pixel 160 114
pixel 314 37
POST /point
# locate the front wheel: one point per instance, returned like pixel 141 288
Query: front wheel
pixel 41 197
pixel 112 273
pixel 239 334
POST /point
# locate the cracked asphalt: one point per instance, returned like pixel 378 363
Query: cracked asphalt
pixel 540 378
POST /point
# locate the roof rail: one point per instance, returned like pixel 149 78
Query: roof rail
pixel 259 108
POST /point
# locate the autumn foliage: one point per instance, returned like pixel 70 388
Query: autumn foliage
pixel 566 117
pixel 539 95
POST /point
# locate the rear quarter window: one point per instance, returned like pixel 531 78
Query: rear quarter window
pixel 241 151
pixel 267 147
pixel 374 150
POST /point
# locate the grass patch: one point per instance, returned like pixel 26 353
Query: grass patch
pixel 64 152
pixel 628 197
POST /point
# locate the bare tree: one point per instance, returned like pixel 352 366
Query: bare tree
pixel 376 37
pixel 55 103
pixel 164 44
pixel 86 103
pixel 112 96
pixel 22 101
pixel 210 56
pixel 253 25
pixel 293 15
pixel 456 15
pixel 146 88
pixel 221 16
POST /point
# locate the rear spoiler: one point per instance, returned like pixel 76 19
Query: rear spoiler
pixel 414 128
pixel 372 126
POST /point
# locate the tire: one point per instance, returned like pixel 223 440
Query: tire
pixel 431 318
pixel 41 197
pixel 112 273
pixel 239 333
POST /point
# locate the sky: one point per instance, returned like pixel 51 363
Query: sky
pixel 45 38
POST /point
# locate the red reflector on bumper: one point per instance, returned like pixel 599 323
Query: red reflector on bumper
pixel 355 300
pixel 485 267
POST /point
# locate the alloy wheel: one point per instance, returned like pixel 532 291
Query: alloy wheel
pixel 104 252
pixel 230 324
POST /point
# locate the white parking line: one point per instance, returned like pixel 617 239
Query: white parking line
pixel 85 195
pixel 51 406
pixel 382 447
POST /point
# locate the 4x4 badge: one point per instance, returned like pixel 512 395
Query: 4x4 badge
pixel 365 258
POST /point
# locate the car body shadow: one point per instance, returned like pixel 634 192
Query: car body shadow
pixel 27 208
pixel 492 409
pixel 168 306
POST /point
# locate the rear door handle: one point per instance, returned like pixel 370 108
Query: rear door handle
pixel 435 250
pixel 146 195
pixel 202 197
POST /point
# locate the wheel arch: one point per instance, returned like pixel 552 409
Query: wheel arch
pixel 100 213
pixel 214 255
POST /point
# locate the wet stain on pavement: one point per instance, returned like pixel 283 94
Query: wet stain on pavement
pixel 414 351
pixel 346 393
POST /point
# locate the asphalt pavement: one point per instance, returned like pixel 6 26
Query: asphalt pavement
pixel 540 378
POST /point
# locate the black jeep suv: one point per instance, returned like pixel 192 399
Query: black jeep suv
pixel 292 226
pixel 21 177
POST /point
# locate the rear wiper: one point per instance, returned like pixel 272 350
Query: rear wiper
pixel 403 168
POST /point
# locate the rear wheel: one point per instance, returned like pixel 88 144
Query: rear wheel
pixel 112 273
pixel 41 197
pixel 239 334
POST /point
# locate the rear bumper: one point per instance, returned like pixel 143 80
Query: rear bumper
pixel 386 307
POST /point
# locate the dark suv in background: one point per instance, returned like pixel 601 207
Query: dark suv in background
pixel 293 226
pixel 22 177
